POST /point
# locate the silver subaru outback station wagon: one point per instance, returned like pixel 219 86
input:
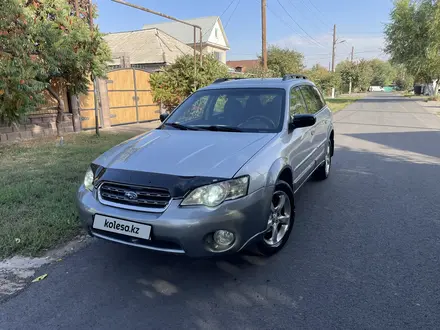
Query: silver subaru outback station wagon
pixel 218 175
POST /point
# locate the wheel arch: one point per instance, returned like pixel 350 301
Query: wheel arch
pixel 279 167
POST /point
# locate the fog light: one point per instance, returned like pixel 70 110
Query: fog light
pixel 223 237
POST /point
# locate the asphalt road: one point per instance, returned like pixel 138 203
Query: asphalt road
pixel 364 252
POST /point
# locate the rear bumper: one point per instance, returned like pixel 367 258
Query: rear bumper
pixel 183 230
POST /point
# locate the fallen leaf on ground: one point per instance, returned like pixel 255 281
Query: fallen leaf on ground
pixel 39 278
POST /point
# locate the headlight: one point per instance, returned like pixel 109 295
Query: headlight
pixel 88 179
pixel 216 193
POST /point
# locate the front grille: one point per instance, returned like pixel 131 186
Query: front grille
pixel 134 196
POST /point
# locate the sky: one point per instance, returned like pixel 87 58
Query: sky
pixel 303 25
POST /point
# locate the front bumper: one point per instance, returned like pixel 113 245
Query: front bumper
pixel 183 230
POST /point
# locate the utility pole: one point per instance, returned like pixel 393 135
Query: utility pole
pixel 333 56
pixel 95 94
pixel 263 34
pixel 335 42
pixel 334 48
pixel 351 60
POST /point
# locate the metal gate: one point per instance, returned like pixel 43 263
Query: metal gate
pixel 87 109
pixel 130 98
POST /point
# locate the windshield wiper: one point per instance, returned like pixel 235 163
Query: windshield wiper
pixel 180 126
pixel 220 128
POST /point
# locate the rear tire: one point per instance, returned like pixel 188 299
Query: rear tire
pixel 280 222
pixel 323 171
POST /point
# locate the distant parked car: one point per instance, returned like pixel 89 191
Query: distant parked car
pixel 376 89
pixel 218 175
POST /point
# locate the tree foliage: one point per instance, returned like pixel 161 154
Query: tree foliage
pixel 59 46
pixel 282 61
pixel 403 79
pixel 78 53
pixel 383 72
pixel 413 38
pixel 324 79
pixel 177 81
pixel 364 73
pixel 19 88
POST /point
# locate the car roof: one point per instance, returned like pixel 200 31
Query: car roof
pixel 258 83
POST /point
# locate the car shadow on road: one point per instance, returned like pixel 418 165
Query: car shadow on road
pixel 422 142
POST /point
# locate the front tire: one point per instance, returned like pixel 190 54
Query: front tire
pixel 280 221
pixel 323 171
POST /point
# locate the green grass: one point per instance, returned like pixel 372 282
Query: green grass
pixel 340 103
pixel 38 181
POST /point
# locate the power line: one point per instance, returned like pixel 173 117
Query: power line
pixel 233 12
pixel 313 39
pixel 224 11
pixel 319 19
pixel 320 12
pixel 285 23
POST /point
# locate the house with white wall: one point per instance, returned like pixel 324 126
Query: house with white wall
pixel 214 40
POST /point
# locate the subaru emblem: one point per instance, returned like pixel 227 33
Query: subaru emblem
pixel 131 195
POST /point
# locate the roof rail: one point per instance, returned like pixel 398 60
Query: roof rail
pixel 294 76
pixel 226 79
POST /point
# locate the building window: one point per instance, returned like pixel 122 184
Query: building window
pixel 218 56
pixel 216 32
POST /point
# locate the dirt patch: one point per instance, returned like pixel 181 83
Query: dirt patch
pixel 17 272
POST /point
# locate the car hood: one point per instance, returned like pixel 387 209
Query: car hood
pixel 186 153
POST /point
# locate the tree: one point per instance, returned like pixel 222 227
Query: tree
pixel 413 38
pixel 69 50
pixel 177 81
pixel 43 41
pixel 383 72
pixel 403 79
pixel 363 75
pixel 258 72
pixel 284 61
pixel 346 70
pixel 324 79
pixel 19 88
pixel 360 72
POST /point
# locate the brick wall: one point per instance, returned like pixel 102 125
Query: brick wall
pixel 34 127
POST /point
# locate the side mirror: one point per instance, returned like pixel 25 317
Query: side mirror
pixel 163 116
pixel 304 120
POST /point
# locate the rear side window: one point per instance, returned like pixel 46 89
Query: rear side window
pixel 320 97
pixel 219 106
pixel 312 98
pixel 297 105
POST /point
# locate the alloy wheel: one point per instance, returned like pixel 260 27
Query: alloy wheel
pixel 279 219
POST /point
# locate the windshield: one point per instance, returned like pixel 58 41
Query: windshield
pixel 236 110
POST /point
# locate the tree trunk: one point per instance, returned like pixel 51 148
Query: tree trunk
pixel 60 110
pixel 76 120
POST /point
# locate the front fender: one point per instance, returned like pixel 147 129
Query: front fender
pixel 275 170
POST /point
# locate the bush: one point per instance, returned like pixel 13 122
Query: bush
pixel 177 81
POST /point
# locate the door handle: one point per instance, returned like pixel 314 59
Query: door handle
pixel 312 132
